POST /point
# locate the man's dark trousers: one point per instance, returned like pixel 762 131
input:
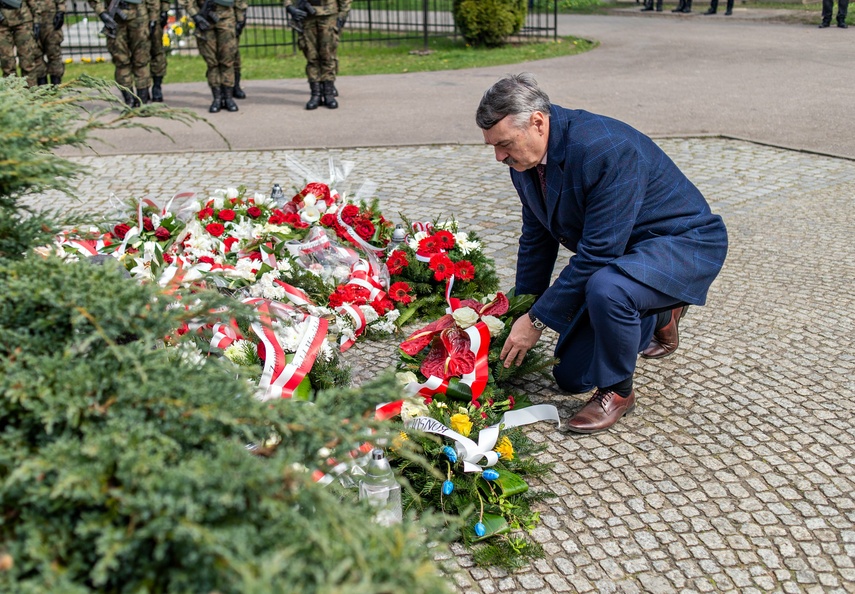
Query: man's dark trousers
pixel 601 348
pixel 828 10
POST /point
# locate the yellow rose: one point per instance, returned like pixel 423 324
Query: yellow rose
pixel 165 40
pixel 179 31
pixel 461 424
pixel 505 448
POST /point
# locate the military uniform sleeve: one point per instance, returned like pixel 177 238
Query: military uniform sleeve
pixel 240 10
pixel 97 6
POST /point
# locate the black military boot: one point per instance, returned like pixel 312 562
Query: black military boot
pixel 680 5
pixel 315 99
pixel 688 6
pixel 42 80
pixel 238 92
pixel 156 90
pixel 129 99
pixel 55 80
pixel 329 98
pixel 228 98
pixel 648 5
pixel 217 93
pixel 144 96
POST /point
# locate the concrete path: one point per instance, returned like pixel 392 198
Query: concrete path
pixel 784 84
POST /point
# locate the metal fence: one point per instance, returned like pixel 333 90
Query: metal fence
pixel 268 34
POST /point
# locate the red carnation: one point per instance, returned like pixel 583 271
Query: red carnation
pixel 348 213
pixel 397 261
pixel 445 239
pixel 215 229
pixel 253 211
pixel 442 267
pixel 147 225
pixel 464 270
pixel 162 233
pixel 400 292
pixel 206 260
pixel 254 256
pixel 429 245
pixel 229 242
pixel 121 230
pixel 227 214
pixel 205 213
pixel 365 229
pixel 381 306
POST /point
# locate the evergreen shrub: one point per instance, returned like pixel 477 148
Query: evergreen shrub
pixel 489 22
pixel 131 462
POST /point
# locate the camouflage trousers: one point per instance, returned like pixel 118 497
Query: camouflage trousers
pixel 157 64
pixel 218 48
pixel 19 37
pixel 319 43
pixel 131 49
pixel 50 54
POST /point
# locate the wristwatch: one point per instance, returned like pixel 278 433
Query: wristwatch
pixel 538 325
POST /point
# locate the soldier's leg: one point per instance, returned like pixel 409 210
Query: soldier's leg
pixel 120 53
pixel 308 42
pixel 327 48
pixel 208 51
pixel 7 51
pixel 157 65
pixel 53 52
pixel 238 92
pixel 139 37
pixel 28 52
pixel 45 29
pixel 226 49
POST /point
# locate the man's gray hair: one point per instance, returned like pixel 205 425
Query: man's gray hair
pixel 515 95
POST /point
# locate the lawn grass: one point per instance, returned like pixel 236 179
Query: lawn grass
pixel 359 59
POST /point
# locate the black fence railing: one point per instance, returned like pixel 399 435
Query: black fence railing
pixel 268 33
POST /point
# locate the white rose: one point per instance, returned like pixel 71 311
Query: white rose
pixel 494 324
pixel 465 317
pixel 406 377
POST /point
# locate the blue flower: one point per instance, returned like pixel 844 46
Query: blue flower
pixel 447 487
pixel 450 453
pixel 480 529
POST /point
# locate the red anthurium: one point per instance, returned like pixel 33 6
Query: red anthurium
pixel 497 307
pixel 450 356
pixel 419 339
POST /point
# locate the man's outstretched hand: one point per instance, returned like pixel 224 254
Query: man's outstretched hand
pixel 521 340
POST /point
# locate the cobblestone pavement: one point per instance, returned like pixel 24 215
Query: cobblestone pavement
pixel 735 473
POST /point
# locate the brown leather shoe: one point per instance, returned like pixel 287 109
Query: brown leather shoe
pixel 603 410
pixel 666 339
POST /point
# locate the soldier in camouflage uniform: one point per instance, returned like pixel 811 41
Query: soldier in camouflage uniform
pixel 17 31
pixel 157 64
pixel 49 40
pixel 129 33
pixel 218 23
pixel 319 25
pixel 238 92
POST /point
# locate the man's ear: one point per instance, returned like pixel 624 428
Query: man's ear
pixel 539 121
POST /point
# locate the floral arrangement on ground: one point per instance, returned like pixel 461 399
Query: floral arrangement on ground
pixel 319 272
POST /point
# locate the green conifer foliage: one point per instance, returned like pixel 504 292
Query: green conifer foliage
pixel 130 466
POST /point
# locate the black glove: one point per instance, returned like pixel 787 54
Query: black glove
pixel 339 23
pixel 239 27
pixel 152 27
pixel 110 26
pixel 296 14
pixel 164 18
pixel 202 23
pixel 58 21
pixel 37 30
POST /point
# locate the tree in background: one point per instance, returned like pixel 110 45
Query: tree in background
pixel 489 22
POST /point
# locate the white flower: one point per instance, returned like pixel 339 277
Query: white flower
pixel 494 324
pixel 285 265
pixel 413 242
pixel 310 214
pixel 236 352
pixel 406 377
pixel 156 220
pixel 190 355
pixel 244 229
pixel 411 409
pixel 369 313
pixel 260 199
pixel 461 242
pixel 465 316
pixel 265 287
pixel 232 192
pixel 326 352
pixel 332 209
pixel 218 200
pixel 440 404
pixel 310 199
pixel 393 315
pixel 384 326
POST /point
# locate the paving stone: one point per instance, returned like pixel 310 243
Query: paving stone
pixel 735 473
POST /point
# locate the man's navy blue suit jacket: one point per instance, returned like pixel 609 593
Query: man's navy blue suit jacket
pixel 613 197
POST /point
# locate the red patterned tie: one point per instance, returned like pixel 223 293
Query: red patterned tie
pixel 541 173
